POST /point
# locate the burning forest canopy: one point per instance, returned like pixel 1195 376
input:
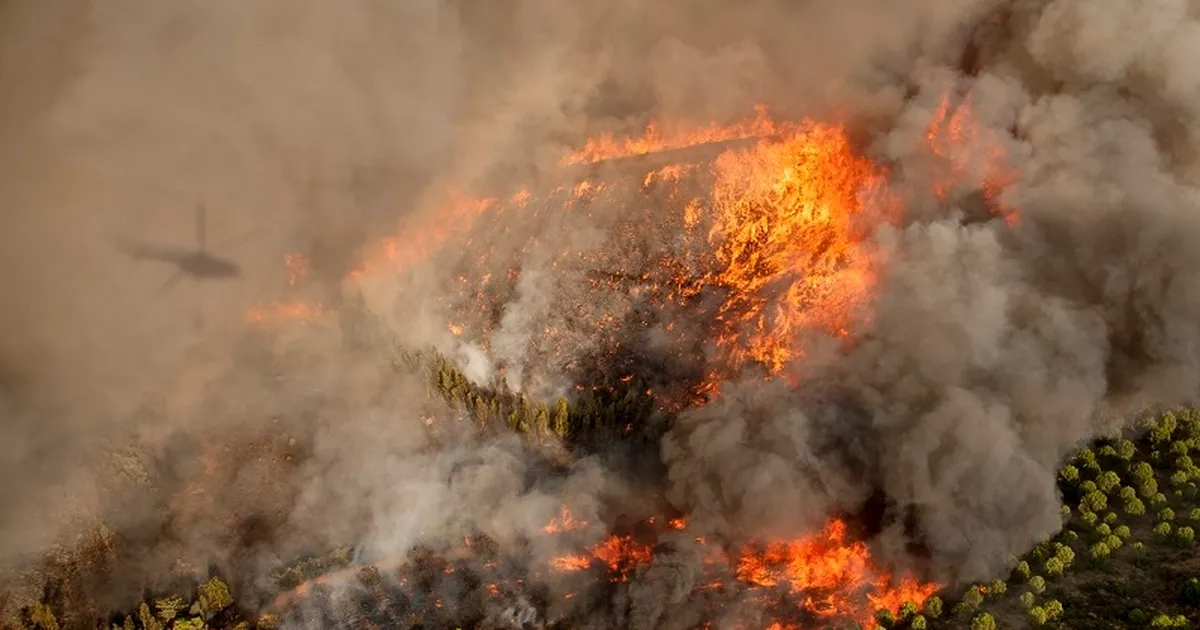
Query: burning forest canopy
pixel 673 281
pixel 776 372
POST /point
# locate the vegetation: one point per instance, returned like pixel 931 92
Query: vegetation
pixel 1124 558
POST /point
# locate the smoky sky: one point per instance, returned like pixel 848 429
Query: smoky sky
pixel 989 353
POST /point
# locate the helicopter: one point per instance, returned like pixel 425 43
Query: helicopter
pixel 198 264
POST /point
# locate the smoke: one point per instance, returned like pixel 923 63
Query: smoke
pixel 988 353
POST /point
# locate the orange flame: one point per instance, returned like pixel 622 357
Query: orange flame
pixel 787 234
pixel 659 138
pixel 831 576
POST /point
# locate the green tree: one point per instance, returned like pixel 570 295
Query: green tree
pixel 1162 530
pixel 1190 593
pixel 1166 514
pixel 973 597
pixel 1103 529
pixel 1054 609
pixel 983 621
pixel 1186 535
pixel 1038 616
pixel 918 622
pixel 1108 481
pixel 1100 551
pixel 1069 474
pixel 1054 567
pixel 1094 501
pixel 561 419
pixel 1125 448
pixel 1135 507
pixel 213 597
pixel 997 588
pixel 908 610
pixel 1113 542
pixel 932 607
pixel 1142 472
pixel 885 618
pixel 1122 531
pixel 1038 584
pixel 541 421
pixel 1022 570
pixel 1027 600
pixel 1065 554
pixel 1127 493
pixel 42 617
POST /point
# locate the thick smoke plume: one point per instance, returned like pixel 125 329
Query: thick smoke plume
pixel 988 350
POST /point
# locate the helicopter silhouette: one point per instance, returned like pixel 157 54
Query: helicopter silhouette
pixel 198 264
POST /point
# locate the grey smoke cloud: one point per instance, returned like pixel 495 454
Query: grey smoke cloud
pixel 990 351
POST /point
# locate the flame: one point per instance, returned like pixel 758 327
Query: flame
pixel 658 137
pixel 788 237
pixel 956 138
pixel 565 522
pixel 840 570
pixel 828 574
